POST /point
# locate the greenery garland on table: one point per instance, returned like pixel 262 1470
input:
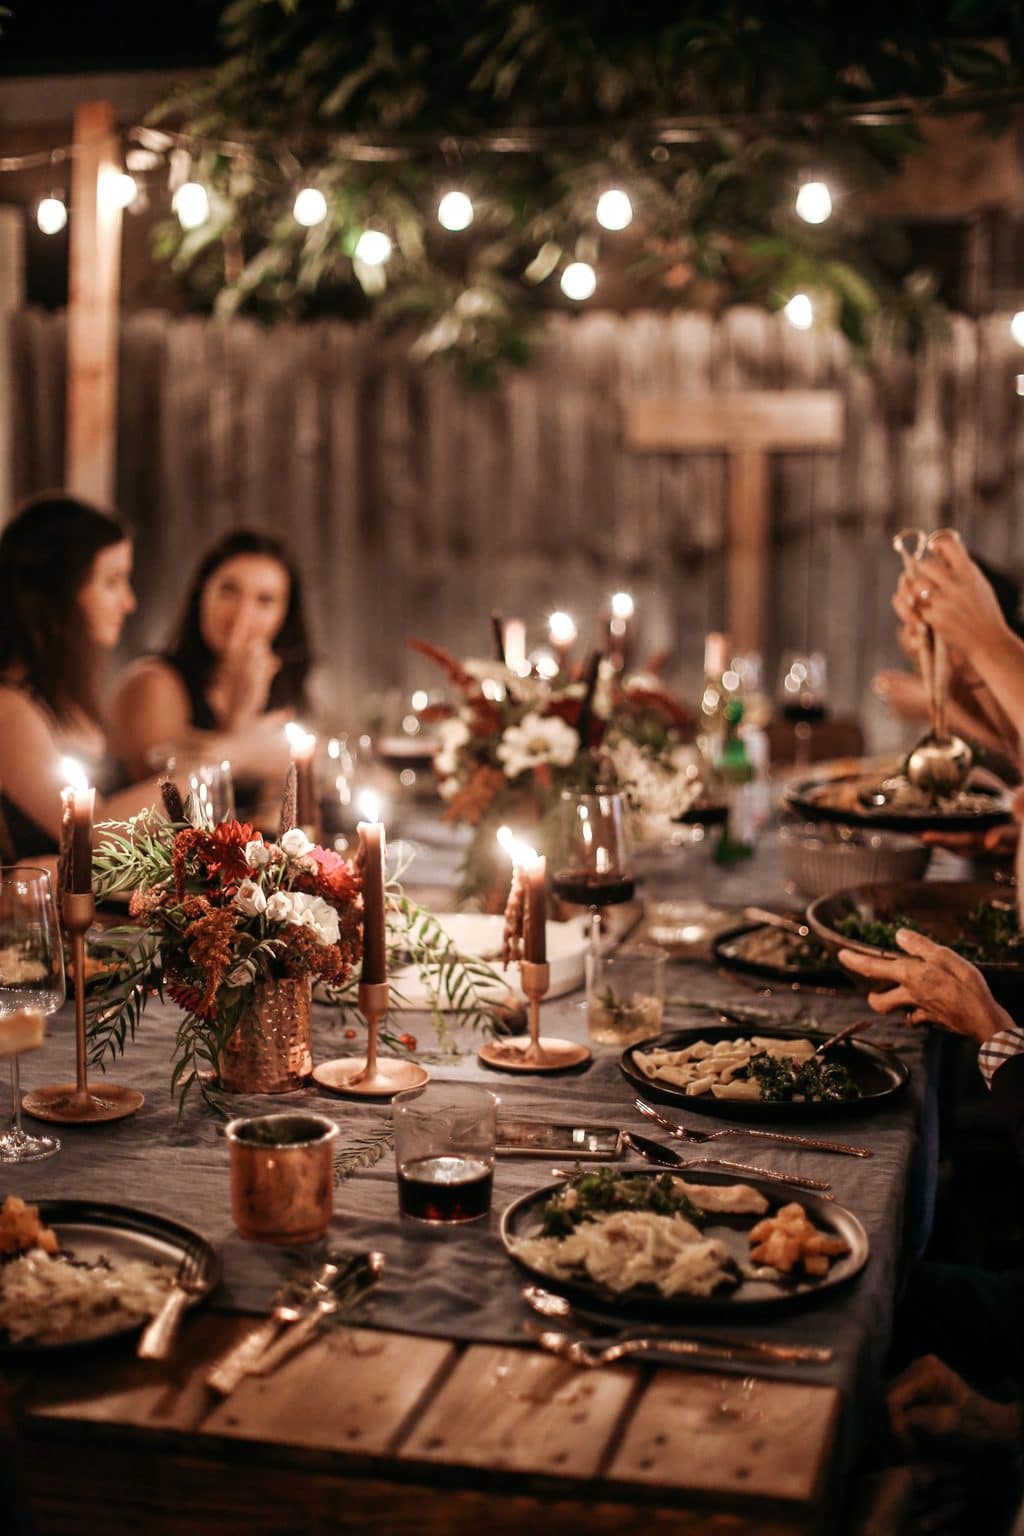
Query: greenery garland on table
pixel 707 113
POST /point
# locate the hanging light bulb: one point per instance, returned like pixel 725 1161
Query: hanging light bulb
pixel 373 247
pixel 117 189
pixel 191 203
pixel 800 312
pixel 614 209
pixel 455 211
pixel 51 214
pixel 579 280
pixel 814 202
pixel 309 207
pixel 1017 327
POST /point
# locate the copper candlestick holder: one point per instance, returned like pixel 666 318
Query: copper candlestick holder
pixel 75 1103
pixel 366 1075
pixel 534 1052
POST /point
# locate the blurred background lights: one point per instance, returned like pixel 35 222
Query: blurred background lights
pixel 373 247
pixel 455 211
pixel 51 215
pixel 310 207
pixel 614 209
pixel 192 204
pixel 800 312
pixel 579 280
pixel 814 202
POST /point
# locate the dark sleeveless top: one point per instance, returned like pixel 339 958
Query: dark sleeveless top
pixel 203 718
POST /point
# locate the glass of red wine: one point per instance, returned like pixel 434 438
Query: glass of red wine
pixel 803 686
pixel 444 1151
pixel 593 864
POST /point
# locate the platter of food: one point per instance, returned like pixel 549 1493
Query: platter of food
pixel 779 954
pixel 890 802
pixel 659 1244
pixel 733 1072
pixel 76 1272
pixel 976 918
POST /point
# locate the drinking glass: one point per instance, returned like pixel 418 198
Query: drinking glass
pixel 803 686
pixel 213 791
pixel 593 864
pixel 444 1151
pixel 626 995
pixel 31 976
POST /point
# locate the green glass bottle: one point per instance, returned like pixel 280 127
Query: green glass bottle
pixel 735 772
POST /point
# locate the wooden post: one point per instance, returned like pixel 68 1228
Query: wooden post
pixel 93 289
pixel 748 426
pixel 12 297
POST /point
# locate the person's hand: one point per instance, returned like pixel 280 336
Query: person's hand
pixel 929 1402
pixel 935 983
pixel 242 683
pixel 904 694
pixel 951 594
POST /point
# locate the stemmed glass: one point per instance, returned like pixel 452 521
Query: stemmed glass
pixel 31 976
pixel 212 788
pixel 594 861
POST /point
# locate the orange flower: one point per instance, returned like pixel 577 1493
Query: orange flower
pixel 472 801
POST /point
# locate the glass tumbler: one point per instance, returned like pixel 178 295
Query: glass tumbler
pixel 626 995
pixel 444 1151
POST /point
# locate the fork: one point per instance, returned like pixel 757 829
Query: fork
pixel 591 1356
pixel 158 1336
pixel 687 1133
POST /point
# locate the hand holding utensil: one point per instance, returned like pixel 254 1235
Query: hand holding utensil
pixel 785 1138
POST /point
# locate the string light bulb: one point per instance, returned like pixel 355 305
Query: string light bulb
pixel 814 202
pixel 373 247
pixel 455 211
pixel 800 312
pixel 309 207
pixel 51 214
pixel 614 209
pixel 579 280
pixel 191 203
pixel 117 189
pixel 622 605
pixel 1017 327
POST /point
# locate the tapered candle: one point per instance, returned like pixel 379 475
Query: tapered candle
pixel 562 633
pixel 515 646
pixel 530 869
pixel 620 629
pixel 78 802
pixel 303 749
pixel 371 866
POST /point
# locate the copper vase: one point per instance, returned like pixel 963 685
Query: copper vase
pixel 271 1049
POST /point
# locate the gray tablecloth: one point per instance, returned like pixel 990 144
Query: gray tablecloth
pixel 459 1283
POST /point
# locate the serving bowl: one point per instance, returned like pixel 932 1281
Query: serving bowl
pixel 818 862
pixel 940 909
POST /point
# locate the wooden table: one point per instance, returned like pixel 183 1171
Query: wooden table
pixel 367 1430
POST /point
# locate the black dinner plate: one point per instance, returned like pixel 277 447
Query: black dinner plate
pixel 878 1073
pixel 88 1229
pixel 729 949
pixel 522 1219
pixel 806 796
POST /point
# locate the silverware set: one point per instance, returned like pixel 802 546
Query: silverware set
pixel 784 1138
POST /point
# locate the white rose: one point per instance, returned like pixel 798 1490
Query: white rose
pixel 313 912
pixel 250 900
pixel 295 843
pixel 257 854
pixel 535 740
pixel 279 907
pixel 452 735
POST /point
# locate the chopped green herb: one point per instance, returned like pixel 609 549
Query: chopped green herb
pixel 815 1080
pixel 603 1191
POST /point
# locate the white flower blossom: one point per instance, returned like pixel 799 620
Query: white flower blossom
pixel 452 734
pixel 279 907
pixel 305 911
pixel 448 788
pixel 295 843
pixel 535 740
pixel 250 900
pixel 257 854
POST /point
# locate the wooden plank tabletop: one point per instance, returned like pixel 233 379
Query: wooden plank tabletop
pixel 409 1433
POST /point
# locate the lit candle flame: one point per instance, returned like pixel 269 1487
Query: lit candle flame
pixel 73 774
pixel 299 739
pixel 368 805
pixel 521 854
pixel 623 606
pixel 561 628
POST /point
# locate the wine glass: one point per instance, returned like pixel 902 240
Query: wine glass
pixel 31 976
pixel 803 686
pixel 594 861
pixel 213 791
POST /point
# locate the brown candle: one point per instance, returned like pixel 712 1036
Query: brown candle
pixel 303 749
pixel 76 838
pixel 371 866
pixel 534 875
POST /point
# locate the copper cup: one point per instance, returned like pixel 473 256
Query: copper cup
pixel 282 1179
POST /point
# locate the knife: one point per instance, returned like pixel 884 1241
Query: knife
pixel 289 1303
pixel 654 1152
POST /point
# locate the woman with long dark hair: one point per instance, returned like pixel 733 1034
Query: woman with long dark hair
pixel 235 671
pixel 65 592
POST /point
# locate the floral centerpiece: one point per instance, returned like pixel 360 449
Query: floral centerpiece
pixel 236 929
pixel 510 744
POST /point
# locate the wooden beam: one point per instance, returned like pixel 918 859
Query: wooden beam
pixel 12 297
pixel 770 419
pixel 93 290
pixel 747 552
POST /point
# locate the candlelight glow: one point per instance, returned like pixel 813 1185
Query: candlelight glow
pixel 561 628
pixel 420 699
pixel 72 774
pixel 544 664
pixel 369 805
pixel 299 739
pixel 521 854
pixel 623 606
pixel 1016 327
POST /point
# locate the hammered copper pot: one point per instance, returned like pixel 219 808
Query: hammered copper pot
pixel 271 1049
pixel 282 1176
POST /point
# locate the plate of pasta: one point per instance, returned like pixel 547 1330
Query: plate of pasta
pixel 660 1244
pixel 739 1073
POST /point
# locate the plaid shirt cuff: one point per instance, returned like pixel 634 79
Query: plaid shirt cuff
pixel 1007 1043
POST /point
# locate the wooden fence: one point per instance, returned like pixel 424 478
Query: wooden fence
pixel 416 506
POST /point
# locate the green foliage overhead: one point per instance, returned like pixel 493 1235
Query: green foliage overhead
pixel 709 114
